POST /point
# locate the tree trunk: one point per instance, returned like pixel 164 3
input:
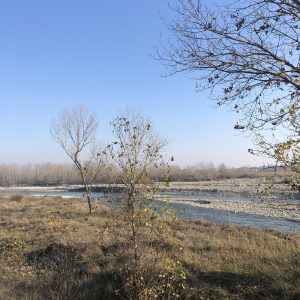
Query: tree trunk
pixel 134 238
pixel 88 193
pixel 131 211
pixel 88 196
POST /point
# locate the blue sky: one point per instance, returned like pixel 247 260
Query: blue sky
pixel 59 54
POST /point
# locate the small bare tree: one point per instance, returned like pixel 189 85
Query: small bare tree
pixel 135 153
pixel 74 130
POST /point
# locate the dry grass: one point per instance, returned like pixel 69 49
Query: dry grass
pixel 51 249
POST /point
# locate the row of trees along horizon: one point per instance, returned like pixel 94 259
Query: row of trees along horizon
pixel 65 173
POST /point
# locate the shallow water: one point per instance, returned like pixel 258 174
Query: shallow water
pixel 187 211
pixel 240 219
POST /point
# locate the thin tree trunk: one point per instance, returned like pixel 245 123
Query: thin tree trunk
pixel 131 209
pixel 89 202
pixel 134 237
pixel 88 194
pixel 86 186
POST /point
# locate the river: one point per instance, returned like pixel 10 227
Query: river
pixel 187 211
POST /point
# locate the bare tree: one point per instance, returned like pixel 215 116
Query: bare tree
pixel 74 130
pixel 135 152
pixel 247 54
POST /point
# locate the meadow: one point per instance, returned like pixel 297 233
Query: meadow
pixel 50 248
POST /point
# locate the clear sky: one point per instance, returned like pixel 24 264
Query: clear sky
pixel 57 54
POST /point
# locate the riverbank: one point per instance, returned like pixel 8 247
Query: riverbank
pixel 50 248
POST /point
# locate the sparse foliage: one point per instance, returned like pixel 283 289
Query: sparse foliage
pixel 135 154
pixel 247 54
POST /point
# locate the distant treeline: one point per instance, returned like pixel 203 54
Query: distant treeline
pixel 55 174
pixel 37 174
pixel 208 171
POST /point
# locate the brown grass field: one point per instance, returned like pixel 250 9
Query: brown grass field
pixel 50 248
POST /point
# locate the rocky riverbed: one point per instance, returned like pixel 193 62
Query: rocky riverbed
pixel 289 211
pixel 248 187
pixel 241 186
